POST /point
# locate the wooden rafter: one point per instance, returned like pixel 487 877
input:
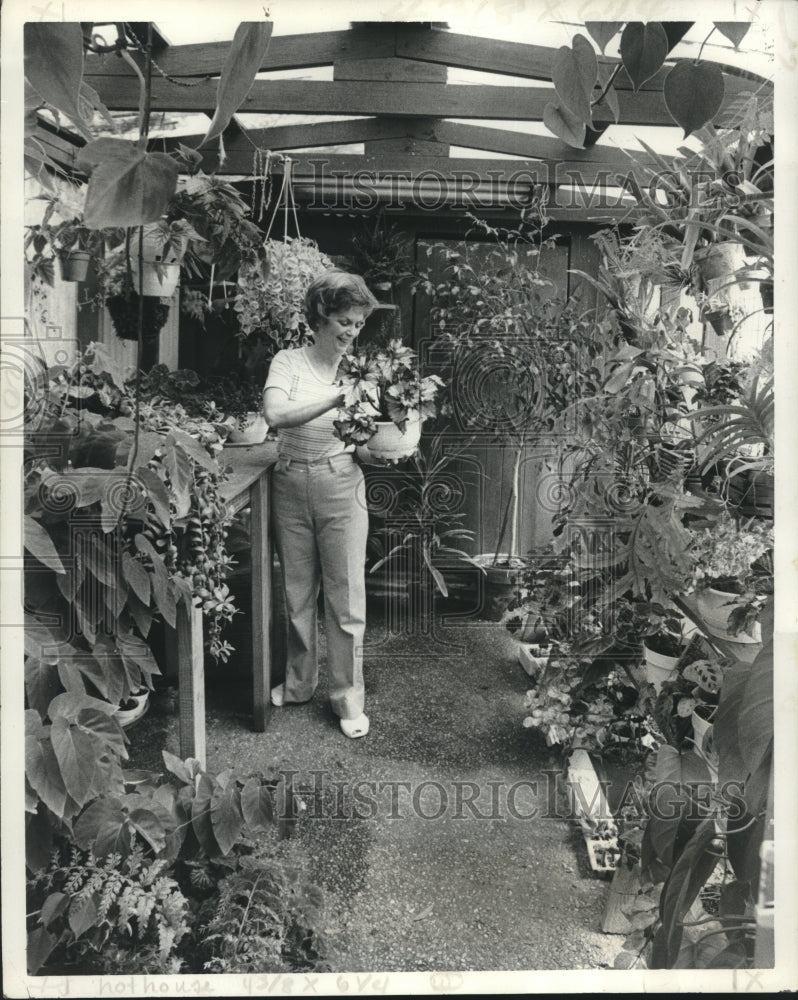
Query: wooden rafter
pixel 287 52
pixel 350 98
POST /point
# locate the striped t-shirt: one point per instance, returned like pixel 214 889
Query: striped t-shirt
pixel 291 371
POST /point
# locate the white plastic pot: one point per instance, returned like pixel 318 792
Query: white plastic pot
pixel 658 667
pixel 391 443
pixel 254 432
pixel 126 717
pixel 702 736
pixel 532 658
pixel 161 284
pixel 715 606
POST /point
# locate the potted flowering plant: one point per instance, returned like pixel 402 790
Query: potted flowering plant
pixel 387 400
pixel 733 575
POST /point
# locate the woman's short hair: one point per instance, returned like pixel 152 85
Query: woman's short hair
pixel 336 291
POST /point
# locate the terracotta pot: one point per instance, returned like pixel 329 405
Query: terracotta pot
pixel 254 432
pixel 766 291
pixel 720 321
pixel 715 606
pixel 391 443
pixel 74 265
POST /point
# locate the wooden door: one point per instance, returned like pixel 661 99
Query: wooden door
pixel 486 467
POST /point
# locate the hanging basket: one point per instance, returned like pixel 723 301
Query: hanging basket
pixel 74 264
pixel 124 312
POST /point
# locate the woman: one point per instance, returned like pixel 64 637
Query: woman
pixel 319 515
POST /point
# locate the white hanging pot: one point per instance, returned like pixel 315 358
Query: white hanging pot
pixel 159 280
pixel 391 443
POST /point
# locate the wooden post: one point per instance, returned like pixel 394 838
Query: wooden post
pixel 191 691
pixel 261 551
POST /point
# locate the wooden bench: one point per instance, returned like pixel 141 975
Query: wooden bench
pixel 248 485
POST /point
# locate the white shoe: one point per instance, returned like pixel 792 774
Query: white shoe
pixel 278 695
pixel 353 728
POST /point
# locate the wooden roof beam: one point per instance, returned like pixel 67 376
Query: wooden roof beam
pixel 351 98
pixel 205 59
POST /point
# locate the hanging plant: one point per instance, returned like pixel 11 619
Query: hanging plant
pixel 124 311
pixel 274 306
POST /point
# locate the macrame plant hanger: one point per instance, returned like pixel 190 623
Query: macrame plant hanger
pixel 285 199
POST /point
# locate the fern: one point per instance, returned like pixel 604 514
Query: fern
pixel 267 919
pixel 140 913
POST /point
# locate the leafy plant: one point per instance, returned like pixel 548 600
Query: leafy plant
pixel 423 526
pixel 381 253
pixel 513 344
pixel 151 849
pixel 271 301
pixel 384 385
pixel 268 917
pixel 693 91
pixel 112 915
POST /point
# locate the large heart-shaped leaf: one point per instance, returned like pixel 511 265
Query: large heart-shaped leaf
pixel 44 775
pixel 566 126
pixel 38 542
pixel 257 805
pixel 54 65
pixel 245 58
pixel 103 826
pixel 643 50
pixel 603 31
pixel 755 721
pixel 693 94
pixel 137 577
pixel 574 75
pixel 40 946
pixel 75 752
pixel 735 31
pixel 226 816
pixel 41 683
pixel 149 826
pixel 83 914
pixel 105 728
pixel 201 815
pixel 128 186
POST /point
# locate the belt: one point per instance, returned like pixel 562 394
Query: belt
pixel 286 461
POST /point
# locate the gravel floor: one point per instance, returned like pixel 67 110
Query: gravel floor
pixel 426 835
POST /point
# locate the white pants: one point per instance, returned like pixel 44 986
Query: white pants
pixel 320 530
